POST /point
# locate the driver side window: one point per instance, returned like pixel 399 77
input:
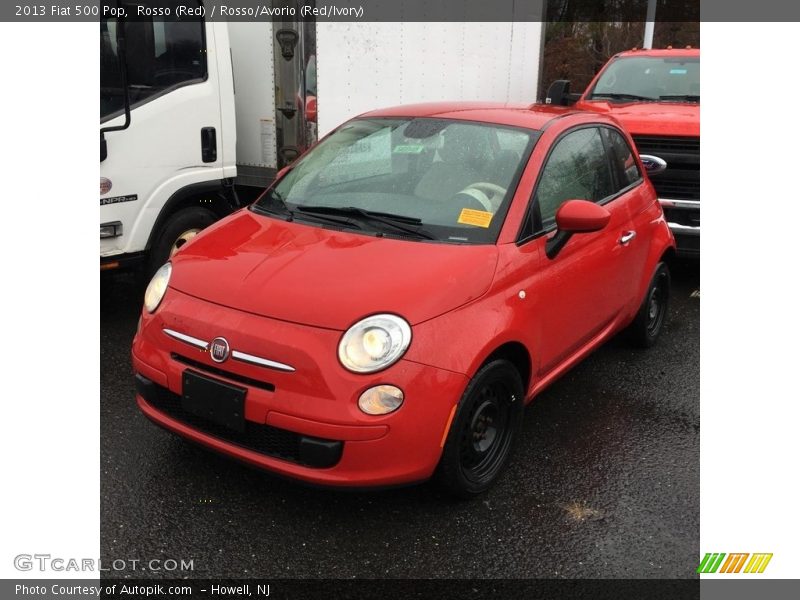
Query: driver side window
pixel 161 53
pixel 577 168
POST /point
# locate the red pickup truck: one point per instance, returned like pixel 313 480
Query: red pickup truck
pixel 655 95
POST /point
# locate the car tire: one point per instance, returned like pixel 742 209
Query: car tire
pixel 649 321
pixel 484 431
pixel 179 229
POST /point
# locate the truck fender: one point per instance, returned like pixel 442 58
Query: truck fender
pixel 187 196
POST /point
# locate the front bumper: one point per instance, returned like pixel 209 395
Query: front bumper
pixel 683 217
pixel 303 424
pixel 265 439
pixel 121 261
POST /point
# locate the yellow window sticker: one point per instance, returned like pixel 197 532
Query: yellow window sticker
pixel 409 149
pixel 479 218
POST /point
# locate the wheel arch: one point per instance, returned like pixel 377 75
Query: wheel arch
pixel 212 195
pixel 668 255
pixel 517 354
pixel 662 250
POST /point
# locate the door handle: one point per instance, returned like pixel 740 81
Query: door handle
pixel 208 144
pixel 627 237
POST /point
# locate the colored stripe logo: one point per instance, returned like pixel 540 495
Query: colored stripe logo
pixel 714 562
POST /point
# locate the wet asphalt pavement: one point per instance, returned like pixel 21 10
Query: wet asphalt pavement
pixel 605 482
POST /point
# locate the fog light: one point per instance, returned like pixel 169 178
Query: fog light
pixel 110 230
pixel 381 400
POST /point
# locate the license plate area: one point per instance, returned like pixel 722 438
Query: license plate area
pixel 213 400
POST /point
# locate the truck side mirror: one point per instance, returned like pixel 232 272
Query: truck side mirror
pixel 559 94
pixel 103 147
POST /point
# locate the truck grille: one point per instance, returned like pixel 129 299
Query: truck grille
pixel 681 180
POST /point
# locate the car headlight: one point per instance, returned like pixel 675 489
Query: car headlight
pixel 157 288
pixel 374 343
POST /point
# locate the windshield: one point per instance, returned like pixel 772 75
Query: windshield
pixel 439 179
pixel 647 78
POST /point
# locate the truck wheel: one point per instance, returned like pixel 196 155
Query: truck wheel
pixel 482 436
pixel 179 229
pixel 649 321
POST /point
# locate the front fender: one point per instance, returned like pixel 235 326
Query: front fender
pixel 463 339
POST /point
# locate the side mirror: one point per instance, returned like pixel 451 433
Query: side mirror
pixel 311 108
pixel 576 216
pixel 581 216
pixel 653 164
pixel 559 95
pixel 103 147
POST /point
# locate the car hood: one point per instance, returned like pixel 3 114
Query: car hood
pixel 652 118
pixel 325 278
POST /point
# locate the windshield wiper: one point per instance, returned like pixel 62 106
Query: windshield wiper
pixel 399 222
pixel 616 96
pixel 686 97
pixel 276 200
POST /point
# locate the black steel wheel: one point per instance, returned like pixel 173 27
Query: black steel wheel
pixel 484 430
pixel 649 321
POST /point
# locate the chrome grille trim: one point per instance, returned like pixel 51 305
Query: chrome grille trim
pixel 235 354
pixel 670 203
pixel 262 362
pixel 186 339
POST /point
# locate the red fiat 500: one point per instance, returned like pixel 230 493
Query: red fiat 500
pixel 383 313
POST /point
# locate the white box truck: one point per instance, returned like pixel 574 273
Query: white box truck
pixel 197 117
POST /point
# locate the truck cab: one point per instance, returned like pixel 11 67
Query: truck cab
pixel 655 94
pixel 167 150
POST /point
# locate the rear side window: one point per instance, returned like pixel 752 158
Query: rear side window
pixel 577 169
pixel 162 53
pixel 623 161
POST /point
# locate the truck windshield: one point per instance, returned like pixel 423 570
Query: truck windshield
pixel 424 178
pixel 649 79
